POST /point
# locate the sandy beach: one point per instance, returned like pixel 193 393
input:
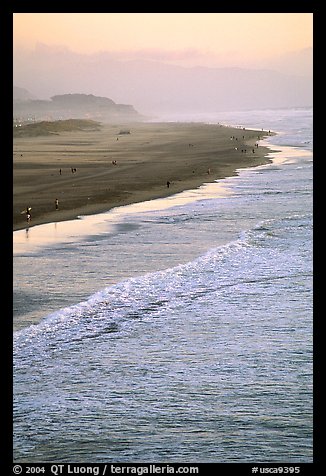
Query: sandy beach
pixel 93 171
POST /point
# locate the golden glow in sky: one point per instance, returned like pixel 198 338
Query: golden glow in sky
pixel 193 37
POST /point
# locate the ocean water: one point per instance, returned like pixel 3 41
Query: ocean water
pixel 179 330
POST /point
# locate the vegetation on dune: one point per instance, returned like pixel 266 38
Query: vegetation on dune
pixel 54 127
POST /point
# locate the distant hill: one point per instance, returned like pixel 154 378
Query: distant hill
pixel 71 106
pixel 21 94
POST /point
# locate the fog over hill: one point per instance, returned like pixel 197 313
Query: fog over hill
pixel 21 95
pixel 155 87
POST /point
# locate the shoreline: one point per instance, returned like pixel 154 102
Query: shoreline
pixel 114 169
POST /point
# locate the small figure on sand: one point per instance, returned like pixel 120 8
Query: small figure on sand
pixel 56 204
pixel 168 184
pixel 28 214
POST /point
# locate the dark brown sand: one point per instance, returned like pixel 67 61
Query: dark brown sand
pixel 113 169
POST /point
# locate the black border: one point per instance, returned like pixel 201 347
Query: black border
pixel 6 28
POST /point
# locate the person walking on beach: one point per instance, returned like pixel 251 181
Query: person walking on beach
pixel 56 204
pixel 28 214
pixel 168 184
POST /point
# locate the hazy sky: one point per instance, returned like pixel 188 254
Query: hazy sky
pixel 191 39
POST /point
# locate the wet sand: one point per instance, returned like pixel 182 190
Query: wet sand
pixel 93 171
